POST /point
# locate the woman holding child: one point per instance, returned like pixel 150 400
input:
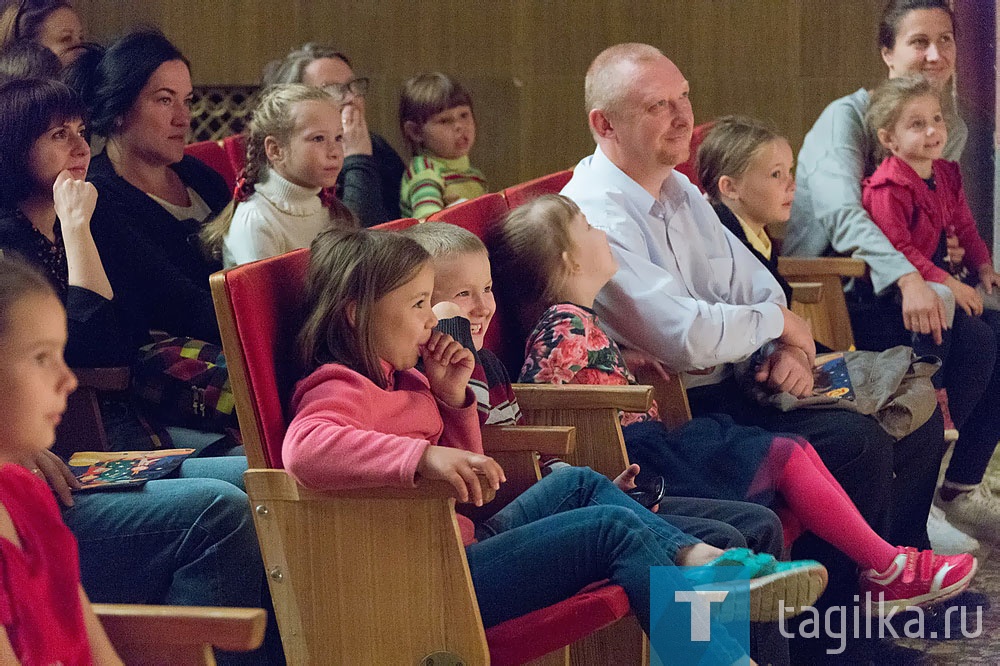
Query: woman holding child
pixel 916 37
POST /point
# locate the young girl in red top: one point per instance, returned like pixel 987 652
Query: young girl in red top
pixel 364 417
pixel 45 617
pixel 561 263
pixel 916 198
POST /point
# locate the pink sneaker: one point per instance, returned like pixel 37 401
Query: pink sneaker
pixel 916 578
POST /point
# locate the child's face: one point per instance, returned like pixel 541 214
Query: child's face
pixel 449 134
pixel 314 153
pixel 465 280
pixel 920 133
pixel 591 251
pixel 34 379
pixel 765 191
pixel 61 147
pixel 402 320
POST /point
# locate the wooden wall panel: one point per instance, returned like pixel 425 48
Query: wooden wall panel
pixel 524 60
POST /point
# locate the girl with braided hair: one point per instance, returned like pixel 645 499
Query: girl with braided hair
pixel 284 198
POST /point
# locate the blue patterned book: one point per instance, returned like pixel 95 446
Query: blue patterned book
pixel 106 470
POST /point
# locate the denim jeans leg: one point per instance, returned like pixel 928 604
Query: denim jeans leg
pixel 573 488
pixel 174 541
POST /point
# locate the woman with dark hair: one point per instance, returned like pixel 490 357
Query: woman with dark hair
pixel 154 199
pixel 915 37
pixel 187 540
pixel 52 23
pixel 369 181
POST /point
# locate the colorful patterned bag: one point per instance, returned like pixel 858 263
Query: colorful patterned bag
pixel 185 382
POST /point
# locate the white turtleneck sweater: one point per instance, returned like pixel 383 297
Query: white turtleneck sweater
pixel 278 217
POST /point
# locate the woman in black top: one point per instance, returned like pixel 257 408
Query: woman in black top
pixel 153 199
pixel 46 208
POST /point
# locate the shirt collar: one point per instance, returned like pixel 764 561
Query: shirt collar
pixel 672 193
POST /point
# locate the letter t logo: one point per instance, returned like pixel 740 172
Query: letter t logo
pixel 701 603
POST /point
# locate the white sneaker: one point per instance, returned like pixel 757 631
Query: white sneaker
pixel 946 539
pixel 976 512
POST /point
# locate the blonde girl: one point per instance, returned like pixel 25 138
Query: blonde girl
pixel 555 263
pixel 284 197
pixel 437 121
pixel 45 616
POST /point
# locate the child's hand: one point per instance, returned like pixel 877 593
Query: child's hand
pixel 448 366
pixel 626 481
pixel 966 297
pixel 956 253
pixel 357 140
pixel 461 469
pixel 637 360
pixel 74 200
pixel 447 310
pixel 50 467
pixel 988 278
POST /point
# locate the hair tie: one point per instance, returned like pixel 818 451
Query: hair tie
pixel 328 195
pixel 243 188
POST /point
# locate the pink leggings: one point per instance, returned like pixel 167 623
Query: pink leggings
pixel 815 501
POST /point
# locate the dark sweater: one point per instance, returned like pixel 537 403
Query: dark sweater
pixel 154 262
pixel 95 339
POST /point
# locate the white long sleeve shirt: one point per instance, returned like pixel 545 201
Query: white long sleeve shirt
pixel 686 291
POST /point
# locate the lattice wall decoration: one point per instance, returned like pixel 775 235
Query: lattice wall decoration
pixel 220 111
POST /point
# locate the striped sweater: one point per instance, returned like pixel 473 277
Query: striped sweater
pixel 431 183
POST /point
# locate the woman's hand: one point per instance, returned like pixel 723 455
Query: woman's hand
pixel 988 278
pixel 448 366
pixel 74 201
pixel 461 469
pixel 357 140
pixel 965 297
pixel 50 467
pixel 923 310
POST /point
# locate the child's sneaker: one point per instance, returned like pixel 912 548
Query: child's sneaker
pixel 973 510
pixel 777 589
pixel 950 431
pixel 916 578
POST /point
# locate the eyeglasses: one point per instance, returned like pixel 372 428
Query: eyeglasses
pixel 356 87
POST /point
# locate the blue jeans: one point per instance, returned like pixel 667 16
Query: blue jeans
pixel 572 528
pixel 182 541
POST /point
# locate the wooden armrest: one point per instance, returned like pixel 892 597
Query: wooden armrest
pixel 807 292
pixel 279 485
pixel 553 440
pixel 805 266
pixel 237 629
pixel 103 379
pixel 572 396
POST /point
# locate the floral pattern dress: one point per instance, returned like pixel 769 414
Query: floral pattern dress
pixel 710 456
pixel 568 346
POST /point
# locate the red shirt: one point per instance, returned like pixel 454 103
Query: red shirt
pixel 913 217
pixel 40 581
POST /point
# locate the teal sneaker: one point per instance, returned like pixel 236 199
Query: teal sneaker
pixel 777 589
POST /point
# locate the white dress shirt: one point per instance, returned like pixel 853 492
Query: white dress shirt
pixel 686 291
